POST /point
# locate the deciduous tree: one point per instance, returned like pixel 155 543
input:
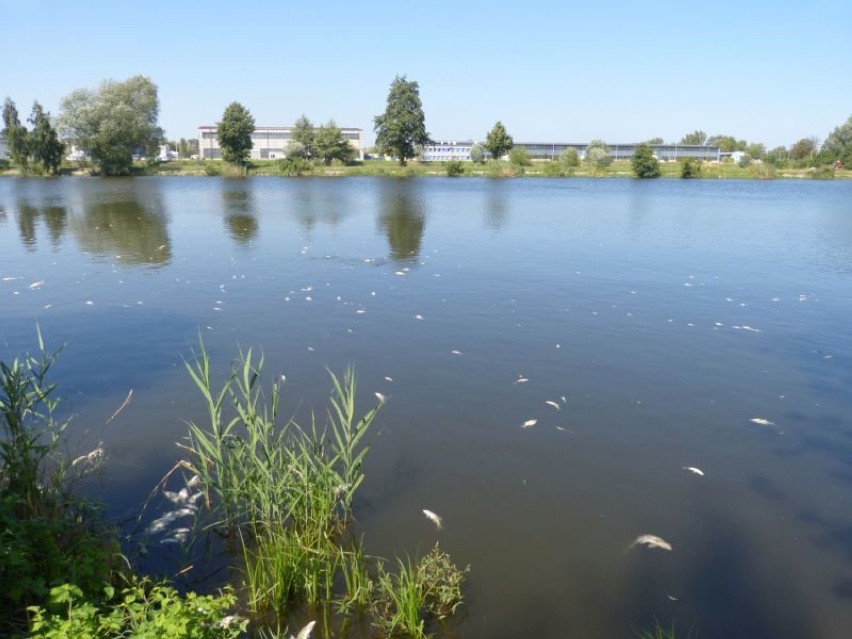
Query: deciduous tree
pixel 303 134
pixel 402 127
pixel 498 142
pixel 644 163
pixel 234 133
pixel 45 147
pixel 16 134
pixel 330 145
pixel 839 143
pixel 696 137
pixel 597 154
pixel 802 149
pixel 113 121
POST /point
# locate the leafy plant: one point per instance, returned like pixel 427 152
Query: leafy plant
pixel 690 168
pixel 429 589
pixel 141 609
pixel 47 534
pixel 454 168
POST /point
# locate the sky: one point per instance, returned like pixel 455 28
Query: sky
pixel 558 71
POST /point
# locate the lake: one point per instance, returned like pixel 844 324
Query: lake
pixel 647 327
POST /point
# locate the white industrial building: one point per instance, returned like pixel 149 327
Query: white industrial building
pixel 445 151
pixel 268 142
pixel 552 150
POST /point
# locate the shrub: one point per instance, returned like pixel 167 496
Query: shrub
pixel 141 609
pixel 825 172
pixel 644 163
pixel 454 168
pixel 763 170
pixel 47 534
pixel 519 156
pixel 690 168
pixel 293 165
pixel 570 158
pixel 477 153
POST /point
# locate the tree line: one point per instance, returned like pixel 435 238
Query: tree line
pixel 118 119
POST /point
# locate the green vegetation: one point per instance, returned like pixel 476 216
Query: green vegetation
pixel 839 143
pixel 113 122
pixel 45 147
pixel 17 138
pixel 454 168
pixel 696 137
pixel 519 156
pixel 477 153
pixel 402 126
pixel 329 144
pixel 498 142
pixel 690 168
pixel 644 163
pixel 234 134
pixel 302 138
pixel 598 157
pixel 276 494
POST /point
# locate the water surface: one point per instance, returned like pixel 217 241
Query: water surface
pixel 660 317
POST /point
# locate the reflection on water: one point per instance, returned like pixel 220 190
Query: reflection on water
pixel 240 217
pixel 124 227
pixel 652 321
pixel 55 219
pixel 403 219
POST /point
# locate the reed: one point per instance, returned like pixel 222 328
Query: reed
pixel 283 490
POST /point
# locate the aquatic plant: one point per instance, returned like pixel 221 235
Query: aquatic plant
pixel 283 491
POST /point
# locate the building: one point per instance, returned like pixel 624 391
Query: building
pixel 268 142
pixel 552 150
pixel 445 151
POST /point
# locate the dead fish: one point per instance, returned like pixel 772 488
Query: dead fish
pixel 418 317
pixel 554 404
pixel 382 399
pixel 455 352
pixel 434 517
pixel 651 541
pixel 36 285
pixel 760 421
pixel 521 380
pixel 390 379
pixel 305 632
pixel 695 470
pixel 529 423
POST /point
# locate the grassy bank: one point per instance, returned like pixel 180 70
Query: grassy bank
pixel 380 168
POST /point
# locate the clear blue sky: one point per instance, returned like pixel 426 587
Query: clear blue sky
pixel 770 72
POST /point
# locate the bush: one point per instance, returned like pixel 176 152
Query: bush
pixel 825 172
pixel 519 156
pixel 569 158
pixel 690 168
pixel 744 162
pixel 294 166
pixel 47 534
pixel 454 168
pixel 477 153
pixel 141 609
pixel 644 163
pixel 763 170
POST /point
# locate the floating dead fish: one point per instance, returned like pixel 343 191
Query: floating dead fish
pixel 564 400
pixel 455 352
pixel 390 379
pixel 382 399
pixel 521 380
pixel 305 632
pixel 434 517
pixel 9 279
pixel 651 541
pixel 529 423
pixel 760 421
pixel 36 285
pixel 418 317
pixel 554 404
pixel 694 470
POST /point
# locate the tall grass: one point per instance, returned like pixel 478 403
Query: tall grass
pixel 282 490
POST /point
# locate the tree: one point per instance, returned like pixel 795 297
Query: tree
pixel 658 140
pixel 402 126
pixel 234 133
pixel 303 133
pixel 802 149
pixel 777 156
pixel 17 136
pixel 45 147
pixel 696 137
pixel 644 163
pixel 727 143
pixel 187 148
pixel 477 153
pixel 113 122
pixel 839 143
pixel 756 151
pixel 498 142
pixel 597 154
pixel 329 144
